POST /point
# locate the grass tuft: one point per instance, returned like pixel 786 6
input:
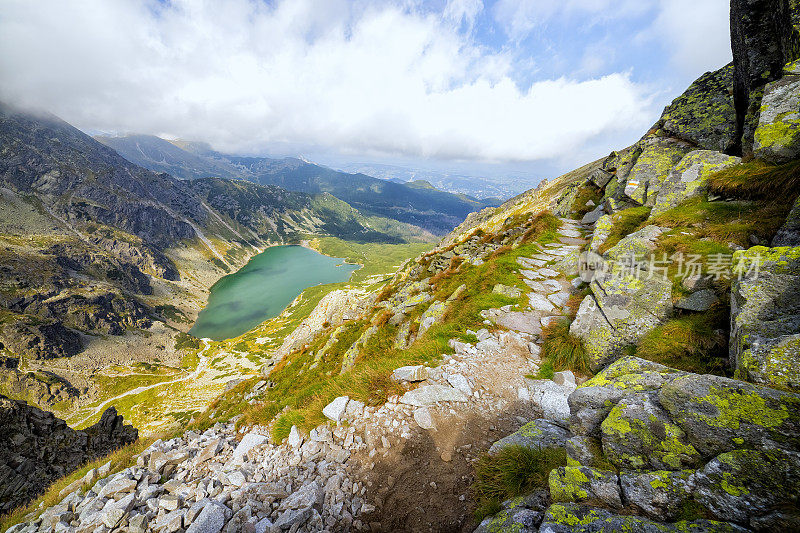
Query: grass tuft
pixel 624 223
pixel 562 349
pixel 757 180
pixel 515 471
pixel 694 343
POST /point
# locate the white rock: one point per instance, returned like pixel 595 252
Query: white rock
pixel 309 495
pixel 336 409
pixel 460 382
pixel 116 486
pixel 295 438
pixel 410 373
pixel 552 398
pixel 236 478
pixel 423 417
pixel 210 520
pixel 431 395
pixel 539 302
pixel 565 378
pixel 249 441
pixel 262 526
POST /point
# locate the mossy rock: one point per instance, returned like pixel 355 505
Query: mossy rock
pixel 537 434
pixel 639 435
pixel 511 521
pixel 789 233
pixel 765 316
pixel 661 494
pixel 591 403
pixel 689 178
pixel 602 229
pixel 623 307
pixel 777 137
pixel 582 484
pixel 704 114
pixel 658 157
pixel 743 485
pixel 720 414
pixel 576 518
pixel 637 245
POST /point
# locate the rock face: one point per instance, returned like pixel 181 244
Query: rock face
pixel 789 233
pixel 704 114
pixel 765 316
pixel 42 340
pixel 763 40
pixel 36 448
pixel 620 310
pixel 777 136
pixel 688 178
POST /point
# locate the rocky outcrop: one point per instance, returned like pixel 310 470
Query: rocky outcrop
pixel 667 446
pixel 777 136
pixel 36 448
pixel 626 301
pixel 789 233
pixel 38 339
pixel 689 178
pixel 704 114
pixel 765 316
pixel 763 41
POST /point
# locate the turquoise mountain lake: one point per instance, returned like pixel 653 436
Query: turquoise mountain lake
pixel 263 288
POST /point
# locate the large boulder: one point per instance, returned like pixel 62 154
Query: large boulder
pixel 624 305
pixel 704 114
pixel 789 233
pixel 720 414
pixel 591 403
pixel 537 434
pixel 765 316
pixel 688 178
pixel 660 494
pixel 763 41
pixel 743 485
pixel 577 518
pixel 658 156
pixel 777 136
pixel 582 484
pixel 639 435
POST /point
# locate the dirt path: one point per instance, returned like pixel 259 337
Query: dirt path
pixel 421 481
pixel 202 365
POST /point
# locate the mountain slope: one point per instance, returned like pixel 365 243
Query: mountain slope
pixel 160 155
pixel 102 260
pixel 424 206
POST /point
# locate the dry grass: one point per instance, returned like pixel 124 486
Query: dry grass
pixel 757 180
pixel 694 343
pixel 562 349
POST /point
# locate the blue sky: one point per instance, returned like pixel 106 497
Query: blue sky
pixel 531 86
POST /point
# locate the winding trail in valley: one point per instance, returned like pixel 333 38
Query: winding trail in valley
pixel 202 365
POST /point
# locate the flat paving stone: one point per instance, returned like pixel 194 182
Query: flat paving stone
pixel 531 274
pixel 540 303
pixel 571 240
pixel 570 233
pixel 548 272
pixel 522 322
pixel 559 299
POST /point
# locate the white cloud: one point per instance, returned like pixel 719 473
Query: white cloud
pixel 464 11
pixel 351 77
pixel 696 34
